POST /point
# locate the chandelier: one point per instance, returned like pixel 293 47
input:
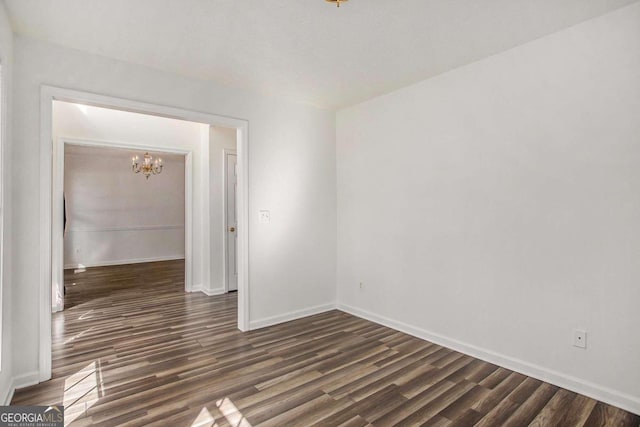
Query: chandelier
pixel 148 166
pixel 337 2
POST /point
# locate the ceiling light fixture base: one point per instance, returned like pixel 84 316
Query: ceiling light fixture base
pixel 337 2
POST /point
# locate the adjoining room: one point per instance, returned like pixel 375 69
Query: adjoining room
pixel 120 221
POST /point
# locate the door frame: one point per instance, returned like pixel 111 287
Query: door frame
pixel 57 236
pixel 225 239
pixel 48 94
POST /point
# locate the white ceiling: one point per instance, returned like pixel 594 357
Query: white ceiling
pixel 306 50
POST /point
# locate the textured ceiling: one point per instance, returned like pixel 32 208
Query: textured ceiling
pixel 305 50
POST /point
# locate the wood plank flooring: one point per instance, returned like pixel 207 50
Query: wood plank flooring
pixel 133 349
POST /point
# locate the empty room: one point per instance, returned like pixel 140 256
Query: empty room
pixel 319 213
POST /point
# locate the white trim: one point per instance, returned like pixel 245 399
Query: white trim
pixel 205 207
pixel 4 114
pixel 188 225
pixel 292 315
pixel 225 235
pixel 125 261
pixel 595 391
pixel 25 380
pixel 46 196
pixel 131 228
pixel 166 156
pixel 213 292
pixel 209 292
pixel 49 94
pixel 6 400
pixel 57 231
pixel 242 205
pixel 15 383
pixel 108 143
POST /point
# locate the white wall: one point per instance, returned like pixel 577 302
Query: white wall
pixel 117 217
pixel 496 207
pixel 291 172
pixel 221 139
pixel 7 282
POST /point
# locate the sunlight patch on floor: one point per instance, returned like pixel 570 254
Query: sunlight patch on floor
pixel 86 315
pixel 81 391
pixel 231 413
pixel 75 337
pixel 204 419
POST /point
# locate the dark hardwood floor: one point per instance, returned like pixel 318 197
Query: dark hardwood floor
pixel 134 349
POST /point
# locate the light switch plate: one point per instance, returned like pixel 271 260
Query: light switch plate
pixel 265 217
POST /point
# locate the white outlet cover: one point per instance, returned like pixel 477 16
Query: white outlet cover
pixel 580 338
pixel 264 217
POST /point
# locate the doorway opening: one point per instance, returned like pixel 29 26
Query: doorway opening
pixel 201 273
pixel 114 218
pixel 231 220
pixel 224 207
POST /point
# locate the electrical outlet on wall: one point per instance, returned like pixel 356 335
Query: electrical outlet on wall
pixel 580 338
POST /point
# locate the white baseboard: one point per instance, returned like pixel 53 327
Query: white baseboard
pixel 124 261
pixel 208 292
pixel 25 380
pixel 8 395
pixel 292 315
pixel 595 391
pixel 212 292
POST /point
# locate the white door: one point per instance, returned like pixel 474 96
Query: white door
pixel 231 189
